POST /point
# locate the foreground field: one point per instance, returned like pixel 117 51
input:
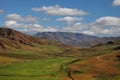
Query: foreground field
pixel 54 63
pixel 48 69
pixel 103 67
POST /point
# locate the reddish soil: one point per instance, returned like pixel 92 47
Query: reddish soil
pixel 95 66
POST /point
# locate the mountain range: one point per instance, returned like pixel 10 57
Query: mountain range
pixel 9 37
pixel 75 39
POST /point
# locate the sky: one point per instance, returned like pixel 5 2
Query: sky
pixel 93 17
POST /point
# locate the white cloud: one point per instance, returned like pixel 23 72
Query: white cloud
pixel 30 18
pixel 10 24
pixel 57 10
pixel 108 21
pixel 69 29
pixel 14 17
pixel 116 3
pixel 17 17
pixel 76 27
pixel 69 19
pixel 104 26
pixel 49 29
pixel 28 24
pixel 105 31
pixel 28 28
pixel 88 32
pixel 1 11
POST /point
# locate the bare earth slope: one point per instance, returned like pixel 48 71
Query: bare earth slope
pixel 11 37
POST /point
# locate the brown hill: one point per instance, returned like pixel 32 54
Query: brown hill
pixel 14 38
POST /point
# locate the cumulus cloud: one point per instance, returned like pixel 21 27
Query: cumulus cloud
pixel 88 32
pixel 108 21
pixel 104 26
pixel 1 11
pixel 76 27
pixel 17 17
pixel 28 28
pixel 58 10
pixel 116 3
pixel 69 19
pixel 111 31
pixel 28 24
pixel 11 24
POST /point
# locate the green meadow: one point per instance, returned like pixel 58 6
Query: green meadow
pixel 46 69
pixel 48 62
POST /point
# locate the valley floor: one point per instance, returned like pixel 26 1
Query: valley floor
pixel 97 68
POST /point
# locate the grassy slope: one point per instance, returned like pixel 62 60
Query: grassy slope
pixel 46 69
pixel 8 60
pixel 42 63
pixel 105 68
pixel 95 69
pixel 41 51
pixel 91 52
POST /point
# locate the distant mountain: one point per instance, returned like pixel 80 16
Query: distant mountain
pixel 117 41
pixel 103 40
pixel 74 39
pixel 13 38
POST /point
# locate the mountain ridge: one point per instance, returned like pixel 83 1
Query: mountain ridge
pixel 75 39
pixel 12 37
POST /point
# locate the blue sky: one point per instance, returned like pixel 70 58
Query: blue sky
pixel 93 17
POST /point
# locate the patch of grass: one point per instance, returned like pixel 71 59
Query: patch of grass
pixel 7 60
pixel 39 51
pixel 90 52
pixel 20 53
pixel 117 77
pixel 26 78
pixel 51 50
pixel 35 68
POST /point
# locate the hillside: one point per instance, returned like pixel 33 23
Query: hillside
pixel 96 63
pixel 74 39
pixel 117 41
pixel 26 57
pixel 16 44
pixel 21 38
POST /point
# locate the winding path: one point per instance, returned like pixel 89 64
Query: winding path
pixel 70 74
pixel 98 57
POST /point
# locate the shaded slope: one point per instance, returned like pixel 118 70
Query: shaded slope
pixel 74 39
pixel 117 41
